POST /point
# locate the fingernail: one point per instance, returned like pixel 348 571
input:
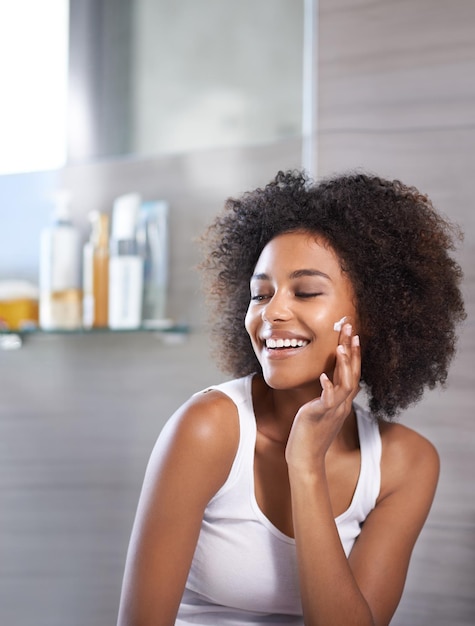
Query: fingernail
pixel 356 340
pixel 341 349
pixel 348 329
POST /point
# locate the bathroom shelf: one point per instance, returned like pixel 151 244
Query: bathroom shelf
pixel 173 333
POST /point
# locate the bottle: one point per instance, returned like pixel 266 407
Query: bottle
pixel 96 273
pixel 152 237
pixel 125 265
pixel 59 280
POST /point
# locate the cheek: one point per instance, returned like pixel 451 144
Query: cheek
pixel 249 322
pixel 325 322
pixel 328 345
pixel 328 338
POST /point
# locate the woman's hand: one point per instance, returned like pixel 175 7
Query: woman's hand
pixel 318 422
pixel 364 588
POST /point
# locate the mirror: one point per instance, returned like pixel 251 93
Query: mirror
pixel 150 77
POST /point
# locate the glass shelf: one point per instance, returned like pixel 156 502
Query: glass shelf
pixel 172 333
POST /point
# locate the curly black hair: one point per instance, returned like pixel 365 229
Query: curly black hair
pixel 395 249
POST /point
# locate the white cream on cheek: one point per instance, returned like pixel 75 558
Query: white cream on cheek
pixel 337 326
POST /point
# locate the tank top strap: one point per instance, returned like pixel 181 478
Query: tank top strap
pixel 370 446
pixel 239 391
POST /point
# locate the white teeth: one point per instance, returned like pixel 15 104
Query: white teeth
pixel 285 343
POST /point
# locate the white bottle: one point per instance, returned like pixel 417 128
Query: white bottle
pixel 152 237
pixel 60 262
pixel 125 265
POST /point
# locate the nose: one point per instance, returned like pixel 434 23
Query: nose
pixel 277 308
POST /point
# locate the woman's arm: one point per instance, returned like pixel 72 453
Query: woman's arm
pixel 364 589
pixel 380 557
pixel 190 462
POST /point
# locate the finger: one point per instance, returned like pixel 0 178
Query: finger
pixel 350 345
pixel 328 390
pixel 344 348
pixel 346 332
pixel 351 384
pixel 345 337
pixel 335 401
pixel 344 370
pixel 356 357
pixel 348 369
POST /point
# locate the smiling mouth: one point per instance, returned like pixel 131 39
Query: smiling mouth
pixel 279 344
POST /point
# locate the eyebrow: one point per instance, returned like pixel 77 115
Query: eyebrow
pixel 295 274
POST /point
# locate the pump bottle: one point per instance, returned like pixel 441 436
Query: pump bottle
pixel 59 279
pixel 125 265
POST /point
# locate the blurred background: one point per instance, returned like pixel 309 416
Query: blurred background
pixel 192 102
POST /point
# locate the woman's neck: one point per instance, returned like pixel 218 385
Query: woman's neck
pixel 275 411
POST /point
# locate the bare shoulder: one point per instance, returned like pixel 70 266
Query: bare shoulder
pixel 210 419
pixel 408 458
pixel 200 439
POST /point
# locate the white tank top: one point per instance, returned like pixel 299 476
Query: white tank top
pixel 244 569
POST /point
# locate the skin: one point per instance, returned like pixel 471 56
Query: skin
pixel 306 460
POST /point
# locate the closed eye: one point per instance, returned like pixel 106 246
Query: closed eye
pixel 301 294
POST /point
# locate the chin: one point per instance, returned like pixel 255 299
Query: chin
pixel 289 380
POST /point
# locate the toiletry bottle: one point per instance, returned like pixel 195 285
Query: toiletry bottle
pixel 96 273
pixel 125 265
pixel 59 280
pixel 152 237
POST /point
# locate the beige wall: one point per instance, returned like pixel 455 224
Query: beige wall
pixel 397 97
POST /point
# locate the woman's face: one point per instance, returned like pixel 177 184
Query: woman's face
pixel 298 293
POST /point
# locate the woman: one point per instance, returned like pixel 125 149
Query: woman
pixel 274 498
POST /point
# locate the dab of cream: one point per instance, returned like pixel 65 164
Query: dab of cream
pixel 337 326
